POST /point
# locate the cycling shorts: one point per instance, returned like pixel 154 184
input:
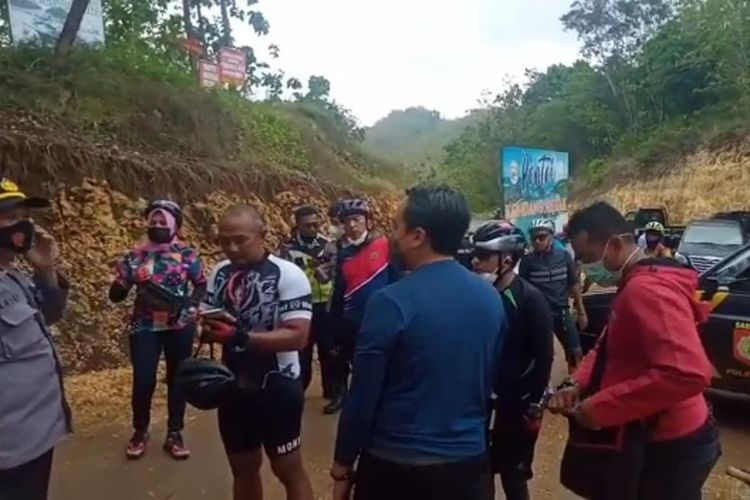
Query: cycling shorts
pixel 271 417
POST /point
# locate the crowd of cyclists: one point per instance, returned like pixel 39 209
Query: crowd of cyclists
pixel 441 373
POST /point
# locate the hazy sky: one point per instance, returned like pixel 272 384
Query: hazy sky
pixel 390 54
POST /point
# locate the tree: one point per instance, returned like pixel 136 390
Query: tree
pixel 613 33
pixel 318 88
pixel 4 24
pixel 71 26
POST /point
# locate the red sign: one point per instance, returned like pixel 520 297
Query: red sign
pixel 233 65
pixel 742 345
pixel 209 74
pixel 193 45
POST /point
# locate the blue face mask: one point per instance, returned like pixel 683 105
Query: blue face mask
pixel 597 273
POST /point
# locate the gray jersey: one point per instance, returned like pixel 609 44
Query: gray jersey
pixel 34 416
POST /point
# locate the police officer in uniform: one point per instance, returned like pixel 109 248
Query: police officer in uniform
pixel 34 415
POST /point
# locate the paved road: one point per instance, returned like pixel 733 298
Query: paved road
pixel 94 468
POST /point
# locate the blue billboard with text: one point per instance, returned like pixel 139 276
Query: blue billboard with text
pixel 535 184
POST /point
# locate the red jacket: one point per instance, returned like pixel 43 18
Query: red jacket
pixel 656 366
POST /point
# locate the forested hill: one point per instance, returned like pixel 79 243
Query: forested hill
pixel 415 136
pixel 656 81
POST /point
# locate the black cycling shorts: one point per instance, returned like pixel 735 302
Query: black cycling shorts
pixel 271 417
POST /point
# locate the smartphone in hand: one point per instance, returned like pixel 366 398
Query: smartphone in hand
pixel 218 313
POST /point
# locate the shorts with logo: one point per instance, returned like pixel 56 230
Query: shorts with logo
pixel 271 417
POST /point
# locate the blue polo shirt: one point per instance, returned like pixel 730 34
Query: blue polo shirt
pixel 424 366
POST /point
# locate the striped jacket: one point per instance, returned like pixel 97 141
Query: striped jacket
pixel 553 273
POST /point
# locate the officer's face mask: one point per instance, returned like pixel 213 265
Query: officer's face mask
pixel 18 237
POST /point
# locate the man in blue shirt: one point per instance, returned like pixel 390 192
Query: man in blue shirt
pixel 425 360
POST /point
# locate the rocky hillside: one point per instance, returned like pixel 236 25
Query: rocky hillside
pixel 697 185
pixel 101 151
pixel 99 194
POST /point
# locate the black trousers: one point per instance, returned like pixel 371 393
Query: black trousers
pixel 342 353
pixel 379 479
pixel 512 451
pixel 321 336
pixel 145 352
pixel 678 468
pixel 29 481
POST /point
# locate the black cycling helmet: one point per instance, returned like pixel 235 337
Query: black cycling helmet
pixel 354 206
pixel 170 206
pixel 203 382
pixel 499 236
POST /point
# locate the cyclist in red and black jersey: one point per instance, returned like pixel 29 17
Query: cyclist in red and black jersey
pixel 362 268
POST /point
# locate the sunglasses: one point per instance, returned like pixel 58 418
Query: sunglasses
pixel 539 236
pixel 483 253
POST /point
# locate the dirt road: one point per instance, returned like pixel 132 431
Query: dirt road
pixel 93 467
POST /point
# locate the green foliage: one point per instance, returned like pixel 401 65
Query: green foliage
pixel 152 105
pixel 415 136
pixel 595 171
pixel 660 78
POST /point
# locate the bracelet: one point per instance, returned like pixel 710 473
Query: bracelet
pixel 346 477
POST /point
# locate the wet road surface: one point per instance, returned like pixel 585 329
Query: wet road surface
pixel 94 468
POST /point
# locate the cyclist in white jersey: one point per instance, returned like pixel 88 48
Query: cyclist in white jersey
pixel 266 321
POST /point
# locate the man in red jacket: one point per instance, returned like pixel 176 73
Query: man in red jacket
pixel 656 367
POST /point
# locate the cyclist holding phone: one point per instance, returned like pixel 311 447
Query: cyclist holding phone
pixel 162 269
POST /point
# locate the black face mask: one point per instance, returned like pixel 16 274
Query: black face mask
pixel 160 234
pixel 17 238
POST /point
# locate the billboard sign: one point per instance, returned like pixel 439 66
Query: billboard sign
pixel 209 74
pixel 40 22
pixel 535 184
pixel 233 65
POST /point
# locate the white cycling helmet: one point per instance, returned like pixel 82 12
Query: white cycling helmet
pixel 545 224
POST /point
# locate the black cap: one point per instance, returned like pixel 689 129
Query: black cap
pixel 12 197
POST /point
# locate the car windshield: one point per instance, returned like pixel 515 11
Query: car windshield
pixel 717 234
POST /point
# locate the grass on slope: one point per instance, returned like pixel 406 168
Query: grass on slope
pixel 151 104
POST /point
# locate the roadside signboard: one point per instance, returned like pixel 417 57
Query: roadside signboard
pixel 535 184
pixel 233 65
pixel 209 74
pixel 193 45
pixel 40 22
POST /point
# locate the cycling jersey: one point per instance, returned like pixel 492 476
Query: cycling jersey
pixel 361 270
pixel 528 351
pixel 525 367
pixel 553 273
pixel 315 257
pixel 261 297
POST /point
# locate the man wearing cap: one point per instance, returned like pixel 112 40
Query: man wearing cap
pixel 34 415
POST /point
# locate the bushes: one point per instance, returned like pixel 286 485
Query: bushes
pixel 134 97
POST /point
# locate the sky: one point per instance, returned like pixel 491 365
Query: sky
pixel 392 54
